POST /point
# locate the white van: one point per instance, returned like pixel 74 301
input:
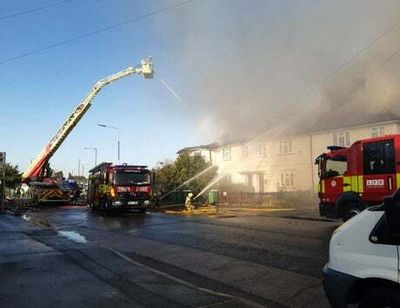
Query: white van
pixel 363 265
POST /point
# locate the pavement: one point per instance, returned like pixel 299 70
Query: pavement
pixel 41 267
pixel 305 213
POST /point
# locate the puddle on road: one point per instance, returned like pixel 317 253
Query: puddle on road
pixel 73 236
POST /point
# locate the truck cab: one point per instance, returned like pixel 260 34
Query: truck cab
pixel 122 187
pixel 357 177
pixel 363 265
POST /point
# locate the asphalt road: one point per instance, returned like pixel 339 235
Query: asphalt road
pixel 201 261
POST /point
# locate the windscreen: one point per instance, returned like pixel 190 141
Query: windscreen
pixel 334 167
pixel 129 178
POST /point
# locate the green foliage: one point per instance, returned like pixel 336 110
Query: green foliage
pixel 13 176
pixel 170 175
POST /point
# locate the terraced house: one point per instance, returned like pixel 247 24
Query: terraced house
pixel 286 163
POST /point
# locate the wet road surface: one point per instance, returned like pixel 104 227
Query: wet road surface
pixel 270 261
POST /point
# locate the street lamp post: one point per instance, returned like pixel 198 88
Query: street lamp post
pixel 95 154
pixel 119 137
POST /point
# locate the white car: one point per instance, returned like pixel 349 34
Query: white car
pixel 363 265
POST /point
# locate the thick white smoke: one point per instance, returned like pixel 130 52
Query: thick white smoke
pixel 252 65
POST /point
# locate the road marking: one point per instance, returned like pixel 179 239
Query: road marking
pixel 73 236
pixel 126 258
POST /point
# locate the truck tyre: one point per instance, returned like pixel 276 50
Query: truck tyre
pixel 352 209
pixel 384 296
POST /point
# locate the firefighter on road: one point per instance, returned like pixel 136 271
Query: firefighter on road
pixel 188 202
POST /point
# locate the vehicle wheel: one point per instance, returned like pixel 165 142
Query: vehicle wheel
pixel 351 210
pixel 385 296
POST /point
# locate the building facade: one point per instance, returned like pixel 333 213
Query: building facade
pixel 284 163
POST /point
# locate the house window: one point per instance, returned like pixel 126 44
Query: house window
pixel 287 179
pixel 377 131
pixel 285 146
pixel 226 154
pixel 262 150
pixel 341 139
pixel 245 151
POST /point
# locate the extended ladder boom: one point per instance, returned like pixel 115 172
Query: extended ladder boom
pixel 36 169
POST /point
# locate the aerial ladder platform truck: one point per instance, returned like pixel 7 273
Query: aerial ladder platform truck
pixel 42 188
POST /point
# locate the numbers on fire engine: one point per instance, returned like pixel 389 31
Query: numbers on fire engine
pixel 375 183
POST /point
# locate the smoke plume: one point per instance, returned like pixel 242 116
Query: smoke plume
pixel 250 66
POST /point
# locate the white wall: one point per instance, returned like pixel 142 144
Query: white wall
pixel 207 154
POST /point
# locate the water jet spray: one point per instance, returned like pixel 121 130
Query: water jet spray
pixel 188 181
pixel 212 183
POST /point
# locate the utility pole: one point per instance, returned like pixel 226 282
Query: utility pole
pixel 3 179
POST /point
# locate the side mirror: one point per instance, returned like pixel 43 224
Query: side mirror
pixel 392 213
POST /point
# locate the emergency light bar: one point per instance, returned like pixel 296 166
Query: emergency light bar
pixel 334 148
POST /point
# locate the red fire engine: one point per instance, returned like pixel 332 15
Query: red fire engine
pixel 359 176
pixel 124 187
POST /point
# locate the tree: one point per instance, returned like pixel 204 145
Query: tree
pixel 13 176
pixel 170 175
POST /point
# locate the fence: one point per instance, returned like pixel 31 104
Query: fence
pixel 270 199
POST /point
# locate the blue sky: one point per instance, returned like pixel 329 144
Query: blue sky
pixel 240 66
pixel 38 92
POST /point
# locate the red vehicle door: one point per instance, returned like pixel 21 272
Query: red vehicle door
pixel 379 170
pixel 333 188
pixel 335 168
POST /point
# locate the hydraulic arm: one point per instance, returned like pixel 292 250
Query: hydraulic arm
pixel 36 169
